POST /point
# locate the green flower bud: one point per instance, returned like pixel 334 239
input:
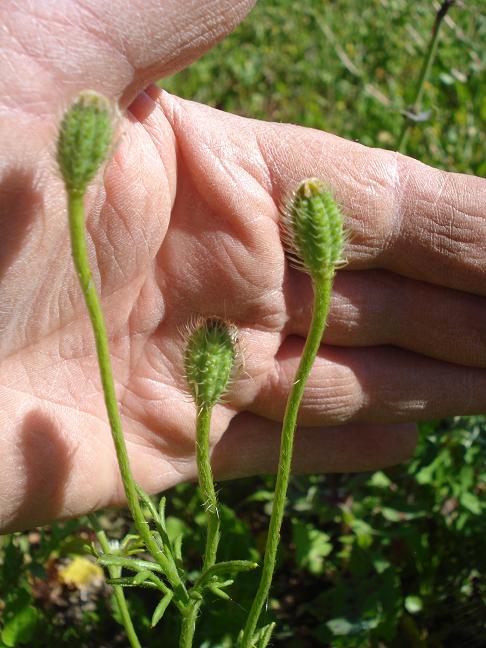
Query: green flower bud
pixel 209 360
pixel 313 231
pixel 84 140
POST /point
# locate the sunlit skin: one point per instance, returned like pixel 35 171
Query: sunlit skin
pixel 184 221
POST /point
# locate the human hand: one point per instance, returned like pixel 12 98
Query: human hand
pixel 185 222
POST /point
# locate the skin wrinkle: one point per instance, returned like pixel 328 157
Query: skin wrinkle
pixel 254 165
pixel 339 398
pixel 23 101
pixel 108 249
pixel 111 37
pixel 456 230
pixel 145 417
pixel 51 401
pixel 377 371
pixel 53 60
pixel 160 148
pixel 77 371
pixel 228 169
pixel 442 213
pixel 139 255
pixel 134 359
pixel 81 317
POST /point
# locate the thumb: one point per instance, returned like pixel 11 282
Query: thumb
pixel 55 49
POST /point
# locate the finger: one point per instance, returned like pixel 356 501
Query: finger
pixel 377 384
pixel 116 48
pixel 251 446
pixel 401 214
pixel 376 307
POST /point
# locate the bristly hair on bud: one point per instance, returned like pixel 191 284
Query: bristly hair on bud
pixel 312 229
pixel 210 357
pixel 84 139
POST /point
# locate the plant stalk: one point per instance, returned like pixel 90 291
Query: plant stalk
pixel 210 503
pixel 81 263
pixel 424 74
pixel 188 626
pixel 206 484
pixel 322 293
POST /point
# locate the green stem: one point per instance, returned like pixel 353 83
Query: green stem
pixel 210 503
pixel 81 263
pixel 322 294
pixel 206 484
pixel 115 572
pixel 188 626
pixel 424 74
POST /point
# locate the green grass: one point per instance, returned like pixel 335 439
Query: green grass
pixel 393 558
pixel 349 67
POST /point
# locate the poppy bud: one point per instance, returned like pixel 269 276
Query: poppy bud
pixel 84 140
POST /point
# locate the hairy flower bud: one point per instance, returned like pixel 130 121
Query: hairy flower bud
pixel 209 360
pixel 313 229
pixel 84 140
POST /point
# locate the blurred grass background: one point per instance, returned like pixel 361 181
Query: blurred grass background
pixel 349 67
pixel 392 558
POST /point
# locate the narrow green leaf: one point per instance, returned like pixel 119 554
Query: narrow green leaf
pixel 146 499
pixel 471 503
pixel 225 583
pixel 158 520
pixel 196 595
pixel 90 549
pixel 218 592
pixel 178 546
pixel 141 577
pixel 227 567
pixel 130 541
pixel 129 563
pixel 162 504
pixel 127 581
pixel 161 608
pixel 263 636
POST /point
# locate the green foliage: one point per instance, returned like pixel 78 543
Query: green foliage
pixel 28 577
pixel 311 546
pixel 406 545
pixel 394 556
pixel 20 618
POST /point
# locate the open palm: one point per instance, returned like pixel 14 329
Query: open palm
pixel 184 222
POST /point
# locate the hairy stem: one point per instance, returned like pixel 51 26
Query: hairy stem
pixel 424 74
pixel 115 572
pixel 188 626
pixel 206 484
pixel 210 503
pixel 322 293
pixel 81 263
